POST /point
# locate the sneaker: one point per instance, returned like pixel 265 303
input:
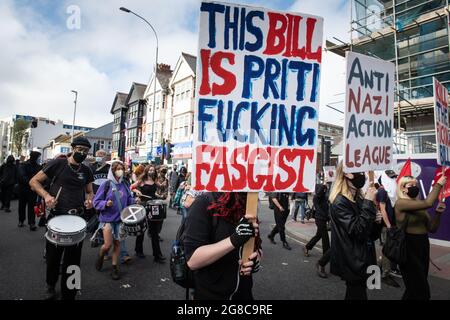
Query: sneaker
pixel 99 262
pixel 305 252
pixel 50 293
pixel 21 225
pixel 321 271
pixel 271 238
pixel 115 273
pixel 126 260
pixel 302 221
pixel 388 280
pixel 140 255
pixel 33 228
pixel 160 259
pixel 286 246
pixel 396 273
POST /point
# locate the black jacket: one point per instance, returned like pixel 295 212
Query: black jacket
pixel 321 204
pixel 8 174
pixel 26 172
pixel 352 234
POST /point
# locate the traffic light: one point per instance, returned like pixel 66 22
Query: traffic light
pixel 327 152
pixel 169 150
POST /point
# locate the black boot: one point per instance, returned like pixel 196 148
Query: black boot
pixel 160 259
pixel 115 273
pixel 286 246
pixel 99 262
pixel 271 238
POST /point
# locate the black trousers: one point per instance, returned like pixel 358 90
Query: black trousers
pixel 7 194
pixel 280 221
pixel 27 201
pixel 139 245
pixel 321 233
pixel 356 290
pixel 70 256
pixel 153 232
pixel 415 270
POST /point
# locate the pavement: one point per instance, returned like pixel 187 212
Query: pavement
pixel 440 256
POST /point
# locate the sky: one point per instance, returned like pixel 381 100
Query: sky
pixel 43 57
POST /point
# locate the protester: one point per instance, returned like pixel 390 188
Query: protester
pixel 74 180
pixel 8 179
pixel 173 179
pixel 181 177
pixel 280 201
pixel 138 171
pixel 300 199
pixel 321 218
pixel 213 248
pixel 162 192
pixel 145 189
pixel 112 196
pixel 384 206
pixel 100 169
pixel 27 197
pixel 352 229
pixel 411 214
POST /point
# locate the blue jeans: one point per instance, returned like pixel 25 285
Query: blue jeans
pixel 123 250
pixel 299 204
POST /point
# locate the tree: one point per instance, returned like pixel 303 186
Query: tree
pixel 19 131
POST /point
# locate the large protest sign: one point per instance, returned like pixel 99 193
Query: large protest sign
pixel 442 123
pixel 256 111
pixel 369 114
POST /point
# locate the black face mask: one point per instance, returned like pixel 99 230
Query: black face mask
pixel 359 180
pixel 79 157
pixel 413 192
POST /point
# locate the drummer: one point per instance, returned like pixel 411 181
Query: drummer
pixel 111 198
pixel 145 189
pixel 70 192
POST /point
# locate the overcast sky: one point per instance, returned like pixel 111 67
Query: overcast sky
pixel 42 60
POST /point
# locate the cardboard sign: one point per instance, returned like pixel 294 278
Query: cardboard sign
pixel 369 114
pixel 256 111
pixel 329 173
pixel 442 123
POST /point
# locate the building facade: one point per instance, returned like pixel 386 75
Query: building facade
pixel 119 112
pixel 414 35
pixel 37 136
pixel 100 138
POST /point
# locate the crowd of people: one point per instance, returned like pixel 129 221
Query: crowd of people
pixel 216 227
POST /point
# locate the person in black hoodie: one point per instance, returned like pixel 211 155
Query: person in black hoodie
pixel 27 197
pixel 216 230
pixel 352 231
pixel 321 218
pixel 8 178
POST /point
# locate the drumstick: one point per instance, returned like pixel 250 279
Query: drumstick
pixel 57 195
pixel 145 196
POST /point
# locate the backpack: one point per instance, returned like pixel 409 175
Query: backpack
pixel 180 272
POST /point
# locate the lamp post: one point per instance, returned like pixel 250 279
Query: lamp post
pixel 156 70
pixel 74 113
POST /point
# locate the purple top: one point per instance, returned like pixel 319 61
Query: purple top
pixel 112 214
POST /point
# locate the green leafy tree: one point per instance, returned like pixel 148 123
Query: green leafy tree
pixel 19 131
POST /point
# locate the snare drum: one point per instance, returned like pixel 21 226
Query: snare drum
pixel 66 230
pixel 133 219
pixel 156 210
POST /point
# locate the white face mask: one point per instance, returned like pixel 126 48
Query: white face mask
pixel 98 159
pixel 119 174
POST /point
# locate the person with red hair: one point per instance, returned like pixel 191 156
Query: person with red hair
pixel 216 231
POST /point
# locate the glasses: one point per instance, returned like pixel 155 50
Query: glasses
pixel 81 150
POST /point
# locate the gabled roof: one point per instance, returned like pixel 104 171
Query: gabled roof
pixel 103 132
pixel 119 102
pixel 191 62
pixel 138 89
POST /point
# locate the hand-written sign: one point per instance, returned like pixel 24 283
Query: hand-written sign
pixel 368 130
pixel 256 112
pixel 442 123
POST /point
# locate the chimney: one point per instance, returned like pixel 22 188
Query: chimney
pixel 163 67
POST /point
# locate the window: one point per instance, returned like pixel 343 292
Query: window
pixel 132 137
pixel 181 127
pixel 116 141
pixel 133 112
pixel 116 118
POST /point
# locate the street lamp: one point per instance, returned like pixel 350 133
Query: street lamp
pixel 74 113
pixel 156 70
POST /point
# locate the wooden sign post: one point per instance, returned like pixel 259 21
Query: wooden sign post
pixel 251 213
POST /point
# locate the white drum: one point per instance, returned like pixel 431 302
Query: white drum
pixel 133 219
pixel 66 230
